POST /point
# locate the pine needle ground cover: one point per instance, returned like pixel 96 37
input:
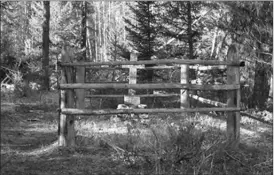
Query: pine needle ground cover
pixel 161 144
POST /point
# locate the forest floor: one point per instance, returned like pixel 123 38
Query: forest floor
pixel 108 145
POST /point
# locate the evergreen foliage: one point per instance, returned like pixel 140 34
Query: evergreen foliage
pixel 142 29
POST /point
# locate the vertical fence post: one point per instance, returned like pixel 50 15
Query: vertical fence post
pixel 234 98
pixel 184 92
pixel 62 117
pixel 66 131
pixel 80 93
pixel 135 101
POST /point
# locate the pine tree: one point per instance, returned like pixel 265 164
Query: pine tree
pixel 142 31
pixel 178 24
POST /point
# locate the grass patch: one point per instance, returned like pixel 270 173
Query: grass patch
pixel 166 144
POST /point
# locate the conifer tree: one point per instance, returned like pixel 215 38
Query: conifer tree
pixel 178 22
pixel 142 31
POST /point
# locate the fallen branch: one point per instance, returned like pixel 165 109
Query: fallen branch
pixel 207 101
pixel 255 118
pixel 219 104
pixel 235 159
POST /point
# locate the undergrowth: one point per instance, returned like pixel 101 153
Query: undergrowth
pixel 165 144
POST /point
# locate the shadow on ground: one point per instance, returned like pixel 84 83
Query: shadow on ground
pixel 28 146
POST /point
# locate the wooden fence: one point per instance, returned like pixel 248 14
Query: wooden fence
pixel 74 103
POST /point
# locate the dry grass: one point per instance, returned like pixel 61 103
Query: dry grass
pixel 166 144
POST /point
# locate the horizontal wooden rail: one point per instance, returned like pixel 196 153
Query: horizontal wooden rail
pixel 118 67
pixel 149 86
pixel 165 61
pixel 72 111
pixel 205 68
pixel 107 68
pixel 143 95
pixel 121 82
pixel 116 82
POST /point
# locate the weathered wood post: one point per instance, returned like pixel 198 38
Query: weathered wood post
pixel 66 131
pixel 130 99
pixel 234 98
pixel 184 92
pixel 80 93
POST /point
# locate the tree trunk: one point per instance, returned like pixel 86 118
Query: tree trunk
pixel 261 87
pixel 99 32
pixel 190 46
pixel 84 28
pixel 261 83
pixel 189 30
pixel 46 45
pixel 96 34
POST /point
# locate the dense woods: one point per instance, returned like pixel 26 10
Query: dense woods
pixel 33 33
pixel 37 35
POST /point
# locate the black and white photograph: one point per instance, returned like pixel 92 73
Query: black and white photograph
pixel 136 87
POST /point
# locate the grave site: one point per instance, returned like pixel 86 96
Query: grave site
pixel 145 87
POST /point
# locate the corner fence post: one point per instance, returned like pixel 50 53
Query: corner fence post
pixel 234 98
pixel 66 131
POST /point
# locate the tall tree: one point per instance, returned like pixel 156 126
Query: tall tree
pixel 84 28
pixel 189 29
pixel 251 26
pixel 179 29
pixel 142 31
pixel 178 26
pixel 46 45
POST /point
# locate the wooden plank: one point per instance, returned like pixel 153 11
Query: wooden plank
pixel 233 119
pixel 163 61
pixel 149 86
pixel 143 95
pixel 72 111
